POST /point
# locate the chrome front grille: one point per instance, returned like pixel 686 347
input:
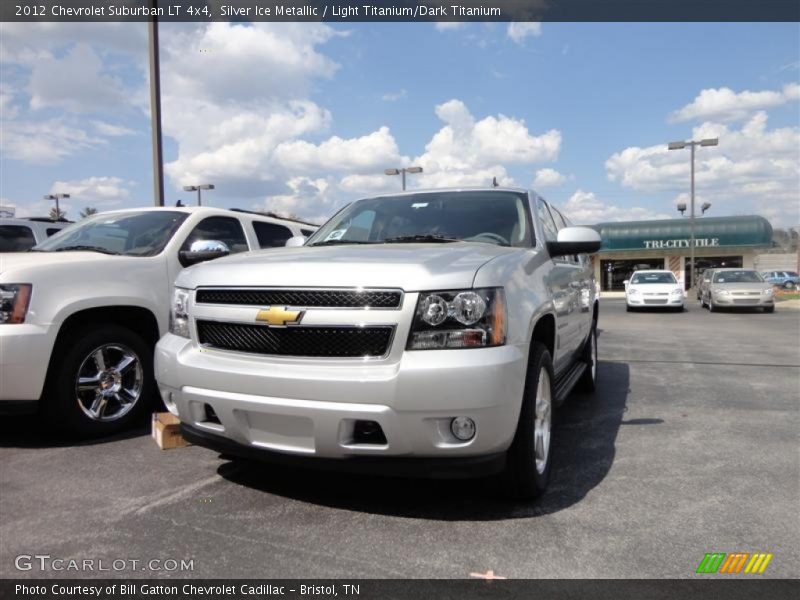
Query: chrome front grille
pixel 303 298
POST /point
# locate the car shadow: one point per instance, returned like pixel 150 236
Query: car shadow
pixel 30 431
pixel 583 452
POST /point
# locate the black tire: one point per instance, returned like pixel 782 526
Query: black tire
pixel 769 309
pixel 789 285
pixel 703 302
pixel 711 306
pixel 74 355
pixel 588 381
pixel 628 308
pixel 521 479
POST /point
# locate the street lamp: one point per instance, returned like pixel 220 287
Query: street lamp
pixel 198 189
pixel 56 197
pixel 680 146
pixel 403 172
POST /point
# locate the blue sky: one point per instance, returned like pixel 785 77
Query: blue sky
pixel 302 118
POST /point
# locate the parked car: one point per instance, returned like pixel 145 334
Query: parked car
pixel 20 235
pixel 81 312
pixel 428 332
pixel 785 279
pixel 703 281
pixel 736 288
pixel 654 288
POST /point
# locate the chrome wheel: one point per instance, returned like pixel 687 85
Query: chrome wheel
pixel 109 382
pixel 542 421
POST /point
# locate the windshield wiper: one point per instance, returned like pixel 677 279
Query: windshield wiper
pixel 88 248
pixel 402 239
pixel 334 242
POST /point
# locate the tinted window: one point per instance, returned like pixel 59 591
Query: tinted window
pixel 476 216
pixel 51 231
pixel 791 274
pixel 271 235
pixel 133 234
pixel 737 277
pixel 16 238
pixel 546 219
pixel 222 229
pixel 640 278
pixel 307 232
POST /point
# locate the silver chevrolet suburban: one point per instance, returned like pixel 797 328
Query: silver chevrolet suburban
pixel 429 333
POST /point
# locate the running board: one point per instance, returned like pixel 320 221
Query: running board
pixel 566 381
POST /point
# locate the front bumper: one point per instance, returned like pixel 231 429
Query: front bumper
pixel 24 357
pixel 655 302
pixel 308 408
pixel 733 301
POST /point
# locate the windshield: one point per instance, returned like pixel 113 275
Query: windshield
pixel 653 278
pixel 131 234
pixel 482 216
pixel 737 277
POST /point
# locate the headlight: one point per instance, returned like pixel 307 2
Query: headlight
pixel 677 292
pixel 723 292
pixel 633 291
pixel 14 300
pixel 768 292
pixel 179 313
pixel 459 319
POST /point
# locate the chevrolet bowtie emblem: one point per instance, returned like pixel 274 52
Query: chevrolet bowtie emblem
pixel 279 316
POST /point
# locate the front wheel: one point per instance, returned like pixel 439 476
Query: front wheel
pixel 711 306
pixel 529 457
pixel 769 309
pixel 102 381
pixel 588 381
pixel 790 285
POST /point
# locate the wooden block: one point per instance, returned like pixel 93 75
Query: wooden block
pixel 166 431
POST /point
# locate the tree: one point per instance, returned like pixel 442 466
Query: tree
pixel 88 211
pixel 57 214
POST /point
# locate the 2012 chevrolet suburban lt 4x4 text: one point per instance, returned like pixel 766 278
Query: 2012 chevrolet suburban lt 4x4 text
pixel 429 332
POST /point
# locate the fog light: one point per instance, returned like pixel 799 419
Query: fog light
pixel 463 428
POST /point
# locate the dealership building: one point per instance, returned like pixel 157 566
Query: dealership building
pixel 664 244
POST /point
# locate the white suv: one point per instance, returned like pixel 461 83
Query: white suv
pixel 426 332
pixel 81 312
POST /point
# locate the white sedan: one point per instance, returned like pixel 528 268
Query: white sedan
pixel 656 289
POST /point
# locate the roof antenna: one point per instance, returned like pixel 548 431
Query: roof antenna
pixel 494 182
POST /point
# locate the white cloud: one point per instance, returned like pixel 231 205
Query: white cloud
pixel 44 142
pixel 586 208
pixel 548 178
pixel 734 175
pixel 726 105
pixel 519 31
pixel 77 83
pixel 111 130
pixel 95 190
pixel 394 96
pixel 467 151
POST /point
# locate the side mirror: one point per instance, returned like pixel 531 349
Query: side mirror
pixel 574 240
pixel 203 250
pixel 625 283
pixel 296 241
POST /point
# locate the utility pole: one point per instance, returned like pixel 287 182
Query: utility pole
pixel 403 172
pixel 155 111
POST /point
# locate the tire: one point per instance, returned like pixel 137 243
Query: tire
pixel 702 302
pixel 789 285
pixel 588 381
pixel 711 306
pixel 628 308
pixel 525 477
pixel 769 309
pixel 112 398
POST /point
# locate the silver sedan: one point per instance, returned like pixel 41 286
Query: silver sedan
pixel 737 288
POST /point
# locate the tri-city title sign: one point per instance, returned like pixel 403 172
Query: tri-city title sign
pixel 681 243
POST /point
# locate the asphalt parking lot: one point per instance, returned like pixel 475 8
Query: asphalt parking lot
pixel 690 446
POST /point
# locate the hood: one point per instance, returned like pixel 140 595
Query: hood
pixel 407 266
pixel 21 266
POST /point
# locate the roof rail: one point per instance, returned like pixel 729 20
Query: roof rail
pixel 47 220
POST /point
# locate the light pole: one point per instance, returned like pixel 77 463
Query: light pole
pixel 403 172
pixel 155 109
pixel 56 197
pixel 198 188
pixel 680 146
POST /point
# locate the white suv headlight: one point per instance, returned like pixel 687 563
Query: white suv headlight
pixel 459 319
pixel 179 313
pixel 14 300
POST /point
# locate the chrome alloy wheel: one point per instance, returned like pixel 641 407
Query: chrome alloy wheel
pixel 542 421
pixel 109 382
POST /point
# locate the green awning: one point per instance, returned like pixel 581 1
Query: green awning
pixel 674 234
